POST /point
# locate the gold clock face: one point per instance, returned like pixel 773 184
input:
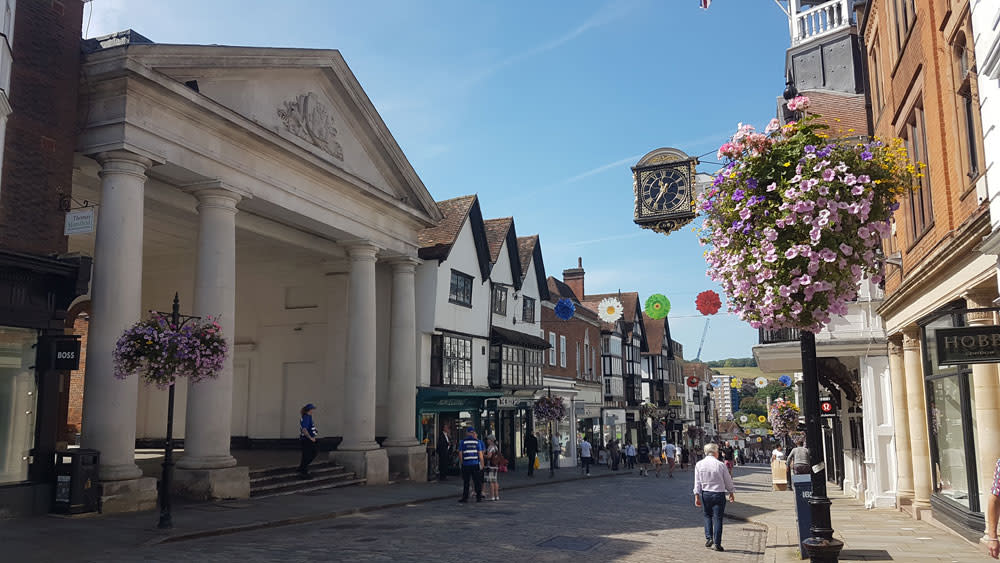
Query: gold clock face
pixel 663 191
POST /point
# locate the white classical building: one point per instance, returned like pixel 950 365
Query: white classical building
pixel 263 187
pixel 853 365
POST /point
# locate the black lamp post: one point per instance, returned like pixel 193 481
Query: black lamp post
pixel 552 458
pixel 177 320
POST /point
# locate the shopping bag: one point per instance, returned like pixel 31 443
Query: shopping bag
pixel 538 464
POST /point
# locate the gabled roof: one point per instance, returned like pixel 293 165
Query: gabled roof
pixel 558 290
pixel 499 231
pixel 630 306
pixel 529 249
pixel 655 330
pixel 436 242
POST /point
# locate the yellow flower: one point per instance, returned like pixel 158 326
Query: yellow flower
pixel 850 130
pixel 787 164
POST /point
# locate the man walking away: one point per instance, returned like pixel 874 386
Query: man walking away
pixel 531 447
pixel 472 463
pixel 615 452
pixel 798 458
pixel 711 483
pixel 644 459
pixel 444 452
pixel 586 455
pixel 671 453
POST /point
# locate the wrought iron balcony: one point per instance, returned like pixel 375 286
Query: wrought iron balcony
pixel 777 335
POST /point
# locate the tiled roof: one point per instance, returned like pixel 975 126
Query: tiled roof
pixel 558 290
pixel 654 334
pixel 496 233
pixel 435 242
pixel 525 248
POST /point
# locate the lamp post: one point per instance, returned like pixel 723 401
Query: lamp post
pixel 552 459
pixel 166 518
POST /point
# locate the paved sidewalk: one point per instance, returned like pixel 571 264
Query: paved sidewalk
pixel 30 539
pixel 868 535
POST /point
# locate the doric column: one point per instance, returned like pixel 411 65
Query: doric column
pixel 917 414
pixel 403 355
pixel 986 390
pixel 210 402
pixel 359 383
pixel 116 292
pixel 900 419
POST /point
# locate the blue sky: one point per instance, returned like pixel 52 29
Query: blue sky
pixel 539 107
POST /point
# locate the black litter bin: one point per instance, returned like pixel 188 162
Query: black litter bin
pixel 76 481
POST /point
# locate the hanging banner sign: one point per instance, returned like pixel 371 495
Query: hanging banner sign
pixel 968 345
pixel 80 221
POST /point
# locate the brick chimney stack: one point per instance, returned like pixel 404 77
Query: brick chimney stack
pixel 574 279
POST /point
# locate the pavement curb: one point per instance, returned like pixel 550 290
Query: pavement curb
pixel 347 512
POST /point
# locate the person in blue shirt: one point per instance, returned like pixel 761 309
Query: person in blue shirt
pixel 471 452
pixel 307 439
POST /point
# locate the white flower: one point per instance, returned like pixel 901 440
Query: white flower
pixel 760 382
pixel 610 309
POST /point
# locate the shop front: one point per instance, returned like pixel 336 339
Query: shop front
pixel 36 357
pixel 614 425
pixel 440 410
pixel 509 419
pixel 588 421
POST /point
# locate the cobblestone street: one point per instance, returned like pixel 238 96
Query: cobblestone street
pixel 630 518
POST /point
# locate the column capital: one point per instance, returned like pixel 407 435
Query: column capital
pixel 911 338
pixel 361 250
pixel 979 298
pixel 216 194
pixel 404 264
pixel 895 343
pixel 123 162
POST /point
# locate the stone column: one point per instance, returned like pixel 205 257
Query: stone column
pixel 116 303
pixel 206 471
pixel 359 451
pixel 900 421
pixel 986 391
pixel 917 413
pixel 407 456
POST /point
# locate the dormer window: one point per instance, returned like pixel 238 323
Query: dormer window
pixel 500 300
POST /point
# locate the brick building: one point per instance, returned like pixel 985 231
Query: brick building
pixel 39 77
pixel 924 89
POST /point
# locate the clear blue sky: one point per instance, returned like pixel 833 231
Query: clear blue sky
pixel 539 107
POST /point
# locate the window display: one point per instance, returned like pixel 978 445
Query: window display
pixel 18 394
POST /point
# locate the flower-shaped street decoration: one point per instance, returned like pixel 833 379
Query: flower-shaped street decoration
pixel 736 382
pixel 760 382
pixel 761 419
pixel 565 309
pixel 744 419
pixel 708 302
pixel 657 306
pixel 610 309
pixel 692 381
pixel 716 383
pixel 785 380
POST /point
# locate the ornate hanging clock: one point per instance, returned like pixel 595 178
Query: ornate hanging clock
pixel 663 182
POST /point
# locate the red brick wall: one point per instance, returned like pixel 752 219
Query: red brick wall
pixel 844 114
pixel 41 131
pixel 574 330
pixel 74 414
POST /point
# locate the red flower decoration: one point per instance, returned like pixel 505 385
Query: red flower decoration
pixel 692 381
pixel 708 302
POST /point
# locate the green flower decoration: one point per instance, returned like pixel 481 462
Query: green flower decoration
pixel 657 306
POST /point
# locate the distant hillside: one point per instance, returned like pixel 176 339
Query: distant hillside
pixel 747 373
pixel 733 363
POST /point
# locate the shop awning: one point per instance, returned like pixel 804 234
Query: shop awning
pixel 448 400
pixel 513 338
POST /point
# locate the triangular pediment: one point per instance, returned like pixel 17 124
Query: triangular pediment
pixel 309 98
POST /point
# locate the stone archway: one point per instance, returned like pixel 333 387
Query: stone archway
pixel 71 401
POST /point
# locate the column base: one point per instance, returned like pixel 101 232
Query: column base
pixel 129 495
pixel 410 462
pixel 372 465
pixel 122 472
pixel 212 484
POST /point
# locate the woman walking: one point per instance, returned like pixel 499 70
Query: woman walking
pixel 657 455
pixel 307 439
pixel 492 469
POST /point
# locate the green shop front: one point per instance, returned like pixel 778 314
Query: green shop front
pixel 455 410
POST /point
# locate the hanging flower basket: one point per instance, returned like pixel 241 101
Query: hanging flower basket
pixel 784 417
pixel 795 220
pixel 647 410
pixel 550 409
pixel 708 302
pixel 160 352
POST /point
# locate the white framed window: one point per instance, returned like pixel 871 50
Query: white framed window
pixel 552 350
pixel 562 351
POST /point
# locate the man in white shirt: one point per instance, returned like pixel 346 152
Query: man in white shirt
pixel 671 452
pixel 629 456
pixel 586 455
pixel 711 483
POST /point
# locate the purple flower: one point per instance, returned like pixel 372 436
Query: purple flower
pixel 738 195
pixel 752 183
pixel 809 148
pixel 866 155
pixel 829 174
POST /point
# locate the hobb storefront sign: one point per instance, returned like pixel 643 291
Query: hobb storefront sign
pixel 968 345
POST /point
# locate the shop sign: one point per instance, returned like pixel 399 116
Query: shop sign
pixel 79 221
pixel 506 402
pixel 826 408
pixel 676 403
pixel 968 345
pixel 586 410
pixel 60 352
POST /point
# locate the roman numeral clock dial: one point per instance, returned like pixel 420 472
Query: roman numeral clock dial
pixel 663 190
pixel 662 182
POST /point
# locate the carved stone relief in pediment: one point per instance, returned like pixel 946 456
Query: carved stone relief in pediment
pixel 307 117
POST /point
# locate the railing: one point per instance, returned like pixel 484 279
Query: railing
pixel 776 335
pixel 820 20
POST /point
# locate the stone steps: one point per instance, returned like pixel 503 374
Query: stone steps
pixel 285 480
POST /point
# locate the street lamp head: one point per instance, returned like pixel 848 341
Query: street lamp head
pixel 790 90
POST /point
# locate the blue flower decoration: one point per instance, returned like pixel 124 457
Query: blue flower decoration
pixel 785 380
pixel 565 309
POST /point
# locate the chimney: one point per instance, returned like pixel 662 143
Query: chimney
pixel 574 279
